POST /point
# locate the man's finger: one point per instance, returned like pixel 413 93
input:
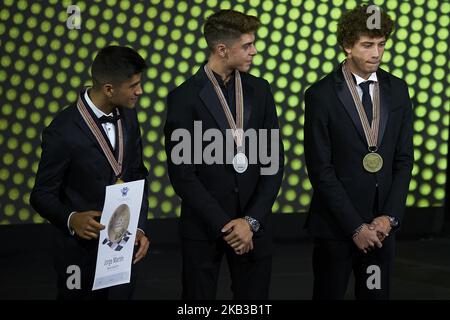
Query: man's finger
pixel 90 235
pixel 231 237
pixel 95 224
pixel 95 213
pixel 82 236
pixel 228 226
pixel 92 229
pixel 142 251
pixel 235 244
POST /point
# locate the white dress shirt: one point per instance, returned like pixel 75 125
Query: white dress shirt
pixel 110 130
pixel 109 127
pixel 373 77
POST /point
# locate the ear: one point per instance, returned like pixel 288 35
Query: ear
pixel 348 50
pixel 108 90
pixel 221 50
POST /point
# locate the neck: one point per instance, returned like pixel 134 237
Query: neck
pixel 356 71
pixel 100 101
pixel 219 66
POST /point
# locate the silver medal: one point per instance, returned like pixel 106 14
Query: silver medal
pixel 240 162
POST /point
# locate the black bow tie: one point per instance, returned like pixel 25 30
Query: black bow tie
pixel 108 119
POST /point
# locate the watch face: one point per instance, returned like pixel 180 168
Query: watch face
pixel 255 225
pixel 393 222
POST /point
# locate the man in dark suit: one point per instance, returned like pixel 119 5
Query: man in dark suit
pixel 225 207
pixel 91 144
pixel 359 155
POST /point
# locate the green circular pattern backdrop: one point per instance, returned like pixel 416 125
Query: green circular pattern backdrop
pixel 43 65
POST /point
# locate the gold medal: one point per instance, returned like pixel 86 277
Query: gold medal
pixel 373 162
pixel 119 181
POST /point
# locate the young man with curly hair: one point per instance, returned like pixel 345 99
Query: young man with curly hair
pixel 359 155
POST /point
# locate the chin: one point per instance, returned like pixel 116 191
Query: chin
pixel 244 68
pixel 373 68
pixel 131 105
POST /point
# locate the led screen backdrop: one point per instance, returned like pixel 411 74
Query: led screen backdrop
pixel 43 64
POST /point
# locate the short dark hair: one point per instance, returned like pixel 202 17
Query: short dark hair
pixel 228 25
pixel 116 64
pixel 353 24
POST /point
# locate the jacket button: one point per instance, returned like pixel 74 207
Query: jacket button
pixel 236 190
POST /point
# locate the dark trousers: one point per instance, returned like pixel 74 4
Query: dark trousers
pixel 333 262
pixel 85 292
pixel 71 252
pixel 250 273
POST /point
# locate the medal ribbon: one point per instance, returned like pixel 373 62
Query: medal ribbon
pixel 370 131
pixel 238 126
pixel 116 165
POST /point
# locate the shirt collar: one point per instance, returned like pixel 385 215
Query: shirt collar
pixel 220 81
pixel 98 113
pixel 373 77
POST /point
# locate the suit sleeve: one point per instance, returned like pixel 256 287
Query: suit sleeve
pixel 319 162
pixel 183 176
pixel 140 172
pixel 55 159
pixel 261 202
pixel 403 163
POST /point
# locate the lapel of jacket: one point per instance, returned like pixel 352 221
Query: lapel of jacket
pixel 346 99
pixel 249 98
pixel 79 121
pixel 125 128
pixel 385 102
pixel 208 96
pixel 211 101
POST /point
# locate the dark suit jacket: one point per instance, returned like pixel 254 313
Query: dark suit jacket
pixel 73 173
pixel 210 193
pixel 344 192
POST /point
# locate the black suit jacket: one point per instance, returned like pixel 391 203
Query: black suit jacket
pixel 73 171
pixel 209 193
pixel 344 192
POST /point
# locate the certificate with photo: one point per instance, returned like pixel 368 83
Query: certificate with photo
pixel 120 217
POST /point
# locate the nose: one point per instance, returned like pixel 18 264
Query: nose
pixel 376 52
pixel 138 91
pixel 253 50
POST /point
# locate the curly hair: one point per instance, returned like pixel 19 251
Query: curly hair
pixel 353 24
pixel 228 25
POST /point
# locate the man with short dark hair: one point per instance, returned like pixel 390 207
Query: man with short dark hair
pixel 225 207
pixel 91 144
pixel 359 155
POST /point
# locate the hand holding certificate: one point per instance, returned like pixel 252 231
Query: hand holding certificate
pixel 116 242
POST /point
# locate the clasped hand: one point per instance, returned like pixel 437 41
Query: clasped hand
pixel 238 235
pixel 373 234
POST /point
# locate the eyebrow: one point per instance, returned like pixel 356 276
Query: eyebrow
pixel 135 84
pixel 372 42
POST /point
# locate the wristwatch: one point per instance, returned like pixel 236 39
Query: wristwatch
pixel 254 224
pixel 393 222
